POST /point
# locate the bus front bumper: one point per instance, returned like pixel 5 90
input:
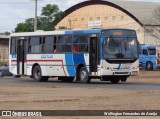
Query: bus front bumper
pixel 120 72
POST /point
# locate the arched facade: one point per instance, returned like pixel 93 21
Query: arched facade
pixel 100 14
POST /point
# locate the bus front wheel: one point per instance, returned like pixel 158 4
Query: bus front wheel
pixel 123 79
pixel 115 80
pixel 83 75
pixel 37 74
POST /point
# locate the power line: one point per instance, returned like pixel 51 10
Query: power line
pixel 10 3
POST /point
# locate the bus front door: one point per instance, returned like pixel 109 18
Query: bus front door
pixel 93 55
pixel 21 56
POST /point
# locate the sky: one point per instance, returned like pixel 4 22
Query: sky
pixel 13 12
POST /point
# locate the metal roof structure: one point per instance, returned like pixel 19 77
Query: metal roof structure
pixel 142 12
pixel 4 37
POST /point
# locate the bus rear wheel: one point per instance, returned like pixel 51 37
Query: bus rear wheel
pixel 83 75
pixel 37 74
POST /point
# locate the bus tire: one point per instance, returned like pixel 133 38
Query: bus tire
pixel 123 79
pixel 37 74
pixel 149 66
pixel 83 75
pixel 115 80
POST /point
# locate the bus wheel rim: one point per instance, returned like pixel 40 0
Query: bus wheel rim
pixel 83 75
pixel 37 74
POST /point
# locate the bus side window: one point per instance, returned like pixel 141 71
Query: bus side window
pixel 75 45
pixel 83 44
pixel 34 44
pixel 80 44
pixel 54 44
pixel 68 43
pixel 47 45
pixel 13 46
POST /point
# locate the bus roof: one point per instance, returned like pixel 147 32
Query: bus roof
pixel 144 46
pixel 61 32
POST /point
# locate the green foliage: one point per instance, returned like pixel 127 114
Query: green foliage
pixel 7 33
pixel 50 16
pixel 50 11
pixel 58 17
pixel 27 26
pixel 45 24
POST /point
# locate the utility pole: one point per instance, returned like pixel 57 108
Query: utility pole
pixel 35 19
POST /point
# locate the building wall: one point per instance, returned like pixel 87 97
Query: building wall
pixel 109 17
pixel 4 49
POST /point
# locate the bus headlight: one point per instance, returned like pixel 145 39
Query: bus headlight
pixel 106 68
pixel 135 67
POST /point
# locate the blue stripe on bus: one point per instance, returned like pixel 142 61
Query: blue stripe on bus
pixel 69 64
pixel 93 31
pixel 119 66
pixel 78 59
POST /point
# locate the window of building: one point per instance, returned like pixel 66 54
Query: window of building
pixel 122 17
pixel 34 45
pixel 82 19
pixel 80 44
pixel 98 18
pixel 105 18
pixel 76 19
pixel 91 18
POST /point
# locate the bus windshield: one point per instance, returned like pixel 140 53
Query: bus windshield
pixel 152 51
pixel 118 48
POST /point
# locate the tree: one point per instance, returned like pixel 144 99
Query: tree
pixel 50 16
pixel 45 24
pixel 58 17
pixel 26 26
pixel 7 33
pixel 52 13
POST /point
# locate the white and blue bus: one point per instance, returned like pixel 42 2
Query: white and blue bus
pixel 105 54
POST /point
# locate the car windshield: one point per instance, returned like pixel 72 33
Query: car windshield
pixel 120 48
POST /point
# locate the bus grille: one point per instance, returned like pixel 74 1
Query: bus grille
pixel 121 72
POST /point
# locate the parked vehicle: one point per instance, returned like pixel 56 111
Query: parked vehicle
pixel 4 71
pixel 148 57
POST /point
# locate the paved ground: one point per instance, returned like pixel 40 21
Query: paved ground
pixel 138 93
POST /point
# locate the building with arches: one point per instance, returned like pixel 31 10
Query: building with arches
pixel 141 16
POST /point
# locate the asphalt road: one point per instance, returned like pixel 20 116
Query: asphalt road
pixel 133 83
